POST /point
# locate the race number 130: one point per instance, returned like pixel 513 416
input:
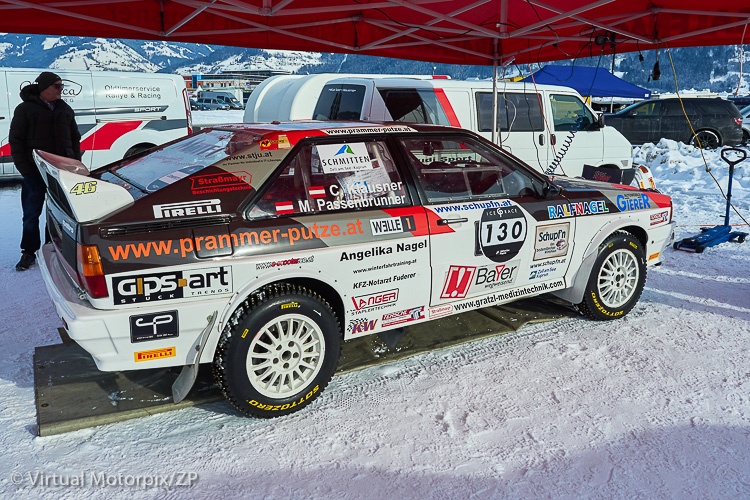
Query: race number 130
pixel 503 231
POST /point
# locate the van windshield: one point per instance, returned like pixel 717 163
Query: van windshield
pixel 184 157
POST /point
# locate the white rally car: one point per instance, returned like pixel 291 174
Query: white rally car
pixel 261 247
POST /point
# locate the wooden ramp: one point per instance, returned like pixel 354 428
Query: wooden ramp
pixel 71 393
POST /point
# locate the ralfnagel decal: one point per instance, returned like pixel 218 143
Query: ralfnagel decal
pixel 187 209
pixel 155 354
pixel 155 326
pixel 551 241
pixel 577 209
pixel 172 285
pixel 501 233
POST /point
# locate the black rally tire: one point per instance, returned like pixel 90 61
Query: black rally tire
pixel 617 278
pixel 296 361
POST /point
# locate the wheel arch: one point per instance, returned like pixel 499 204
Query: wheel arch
pixel 709 129
pixel 314 284
pixel 574 293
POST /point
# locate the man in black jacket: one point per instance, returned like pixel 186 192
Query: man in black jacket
pixel 42 121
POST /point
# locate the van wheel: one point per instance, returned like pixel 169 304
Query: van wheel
pixel 617 278
pixel 279 351
pixel 707 138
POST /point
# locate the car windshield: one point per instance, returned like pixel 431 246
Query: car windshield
pixel 185 157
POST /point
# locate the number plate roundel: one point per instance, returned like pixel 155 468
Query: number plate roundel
pixel 502 232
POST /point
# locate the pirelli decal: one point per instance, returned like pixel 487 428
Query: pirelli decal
pixel 154 354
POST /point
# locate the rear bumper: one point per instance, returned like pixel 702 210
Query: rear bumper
pixel 105 334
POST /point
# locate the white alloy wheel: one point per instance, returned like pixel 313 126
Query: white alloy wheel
pixel 618 278
pixel 285 355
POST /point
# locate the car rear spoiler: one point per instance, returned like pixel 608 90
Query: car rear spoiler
pixel 69 184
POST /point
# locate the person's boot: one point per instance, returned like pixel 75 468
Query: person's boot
pixel 27 260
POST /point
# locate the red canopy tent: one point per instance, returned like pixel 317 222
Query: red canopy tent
pixel 479 32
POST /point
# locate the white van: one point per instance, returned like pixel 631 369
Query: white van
pixel 223 97
pixel 118 114
pixel 549 127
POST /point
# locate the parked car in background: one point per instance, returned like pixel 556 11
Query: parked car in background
pixel 194 106
pixel 224 97
pixel 211 103
pixel 119 114
pixel 745 112
pixel 716 122
pixel 260 248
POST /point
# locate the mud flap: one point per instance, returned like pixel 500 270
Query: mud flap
pixel 189 373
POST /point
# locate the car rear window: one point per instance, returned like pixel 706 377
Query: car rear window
pixel 185 157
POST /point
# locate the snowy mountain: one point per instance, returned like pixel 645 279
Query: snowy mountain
pixel 712 68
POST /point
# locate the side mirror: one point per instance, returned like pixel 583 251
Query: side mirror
pixel 632 112
pixel 600 120
pixel 549 190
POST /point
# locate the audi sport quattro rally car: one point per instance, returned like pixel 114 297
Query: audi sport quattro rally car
pixel 260 248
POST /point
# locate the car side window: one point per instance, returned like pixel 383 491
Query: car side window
pixel 414 106
pixel 647 109
pixel 325 178
pixel 671 108
pixel 569 113
pixel 461 168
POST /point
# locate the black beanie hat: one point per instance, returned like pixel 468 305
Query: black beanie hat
pixel 46 79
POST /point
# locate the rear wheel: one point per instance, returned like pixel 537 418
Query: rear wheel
pixel 705 139
pixel 280 353
pixel 617 278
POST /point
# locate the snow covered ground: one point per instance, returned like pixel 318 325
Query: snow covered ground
pixel 655 405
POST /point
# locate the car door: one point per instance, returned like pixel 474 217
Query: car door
pixel 490 230
pixel 345 205
pixel 642 123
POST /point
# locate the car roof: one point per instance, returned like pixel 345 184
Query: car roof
pixel 315 128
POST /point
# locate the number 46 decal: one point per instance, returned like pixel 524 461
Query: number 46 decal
pixel 84 188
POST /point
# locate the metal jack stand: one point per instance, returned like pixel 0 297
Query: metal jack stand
pixel 718 234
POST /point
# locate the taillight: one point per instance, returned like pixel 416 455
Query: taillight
pixel 186 101
pixel 671 209
pixel 90 271
pixel 738 121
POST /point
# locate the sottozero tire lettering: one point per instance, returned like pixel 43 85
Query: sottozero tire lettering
pixel 617 278
pixel 287 356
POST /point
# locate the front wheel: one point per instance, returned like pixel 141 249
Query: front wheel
pixel 617 278
pixel 281 352
pixel 705 139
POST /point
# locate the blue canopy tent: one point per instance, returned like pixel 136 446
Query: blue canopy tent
pixel 605 84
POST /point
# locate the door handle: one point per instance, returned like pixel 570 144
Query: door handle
pixel 552 139
pixel 541 139
pixel 445 222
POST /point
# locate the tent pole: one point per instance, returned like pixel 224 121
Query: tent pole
pixel 494 94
